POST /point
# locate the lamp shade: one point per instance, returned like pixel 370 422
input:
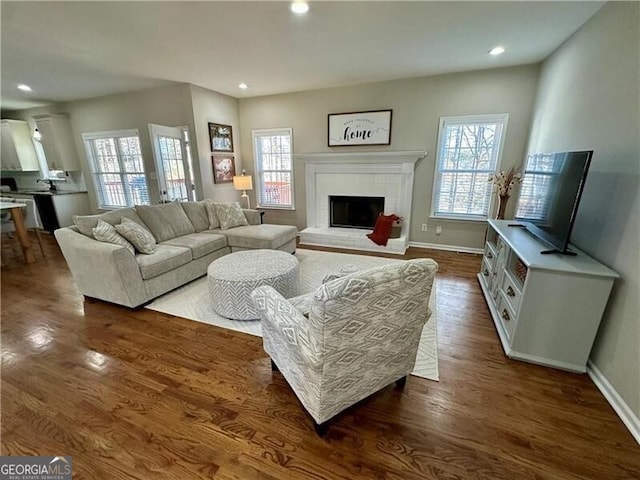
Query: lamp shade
pixel 242 182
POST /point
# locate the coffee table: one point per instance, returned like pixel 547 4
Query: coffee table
pixel 233 277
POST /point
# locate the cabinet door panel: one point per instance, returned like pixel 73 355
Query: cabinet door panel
pixel 9 156
pixel 57 142
pixel 49 144
pixel 18 152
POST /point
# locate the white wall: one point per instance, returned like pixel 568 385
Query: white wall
pixel 417 105
pixel 589 98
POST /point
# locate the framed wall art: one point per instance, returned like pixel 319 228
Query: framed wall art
pixel 221 137
pixel 360 128
pixel 224 168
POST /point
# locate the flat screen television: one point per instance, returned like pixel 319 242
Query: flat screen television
pixel 550 195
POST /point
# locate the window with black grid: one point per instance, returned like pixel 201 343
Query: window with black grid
pixel 117 167
pixel 274 168
pixel 469 150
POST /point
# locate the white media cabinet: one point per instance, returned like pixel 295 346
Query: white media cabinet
pixel 546 308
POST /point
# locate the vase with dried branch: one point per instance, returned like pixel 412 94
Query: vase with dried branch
pixel 503 183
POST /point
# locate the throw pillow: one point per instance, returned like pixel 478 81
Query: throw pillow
pixel 230 215
pixel 107 233
pixel 211 213
pixel 86 223
pixel 166 221
pixel 382 230
pixel 139 236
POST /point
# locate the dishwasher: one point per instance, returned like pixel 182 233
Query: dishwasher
pixel 47 211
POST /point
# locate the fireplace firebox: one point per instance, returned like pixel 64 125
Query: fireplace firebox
pixel 354 212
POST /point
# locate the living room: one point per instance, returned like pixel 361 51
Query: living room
pixel 582 95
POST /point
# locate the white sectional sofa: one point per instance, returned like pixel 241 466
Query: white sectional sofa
pixel 188 239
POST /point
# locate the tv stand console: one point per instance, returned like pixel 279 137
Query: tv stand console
pixel 546 308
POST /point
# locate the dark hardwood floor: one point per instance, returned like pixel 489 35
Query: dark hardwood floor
pixel 144 395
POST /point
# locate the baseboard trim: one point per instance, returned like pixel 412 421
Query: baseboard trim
pixel 628 417
pixel 448 248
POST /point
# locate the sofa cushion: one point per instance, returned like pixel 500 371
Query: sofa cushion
pixel 165 221
pixel 211 213
pixel 197 213
pixel 164 259
pixel 230 215
pixel 260 236
pixel 138 235
pixel 200 244
pixel 105 232
pixel 86 223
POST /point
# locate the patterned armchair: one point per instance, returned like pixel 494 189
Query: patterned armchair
pixel 361 334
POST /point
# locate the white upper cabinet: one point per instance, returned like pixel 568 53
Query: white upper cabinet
pixel 57 142
pixel 18 152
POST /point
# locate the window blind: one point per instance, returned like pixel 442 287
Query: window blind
pixel 274 168
pixel 539 174
pixel 118 170
pixel 468 154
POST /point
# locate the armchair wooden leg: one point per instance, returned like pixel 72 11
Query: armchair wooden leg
pixel 400 384
pixel 274 367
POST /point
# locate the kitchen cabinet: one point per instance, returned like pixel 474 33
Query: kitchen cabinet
pixel 56 210
pixel 546 308
pixel 18 152
pixel 57 142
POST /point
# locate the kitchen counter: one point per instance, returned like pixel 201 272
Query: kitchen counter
pixel 56 209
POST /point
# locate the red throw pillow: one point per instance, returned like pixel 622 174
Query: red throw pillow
pixel 382 230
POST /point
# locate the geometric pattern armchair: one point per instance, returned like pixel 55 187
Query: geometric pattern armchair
pixel 361 334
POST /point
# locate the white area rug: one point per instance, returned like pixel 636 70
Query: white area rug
pixel 192 301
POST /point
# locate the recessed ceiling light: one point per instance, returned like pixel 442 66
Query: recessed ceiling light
pixel 496 51
pixel 24 88
pixel 243 86
pixel 299 7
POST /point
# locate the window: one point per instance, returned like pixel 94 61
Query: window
pixel 274 168
pixel 535 197
pixel 469 150
pixel 117 167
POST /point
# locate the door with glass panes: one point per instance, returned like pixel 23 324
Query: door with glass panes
pixel 172 163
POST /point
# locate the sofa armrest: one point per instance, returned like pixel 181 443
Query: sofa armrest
pixel 102 270
pixel 285 327
pixel 254 217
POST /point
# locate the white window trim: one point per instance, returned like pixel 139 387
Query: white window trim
pixel 466 120
pixel 272 131
pixel 87 138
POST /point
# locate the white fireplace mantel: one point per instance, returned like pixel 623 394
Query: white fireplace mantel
pixel 387 174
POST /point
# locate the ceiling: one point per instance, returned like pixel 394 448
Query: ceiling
pixel 73 50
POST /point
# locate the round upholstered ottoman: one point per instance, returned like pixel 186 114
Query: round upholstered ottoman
pixel 233 277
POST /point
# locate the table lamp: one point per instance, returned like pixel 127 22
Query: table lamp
pixel 243 182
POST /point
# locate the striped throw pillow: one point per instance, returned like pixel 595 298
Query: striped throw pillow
pixel 105 232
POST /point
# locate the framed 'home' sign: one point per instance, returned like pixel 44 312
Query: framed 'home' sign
pixel 360 128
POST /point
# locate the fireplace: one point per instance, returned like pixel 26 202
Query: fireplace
pixel 354 211
pixel 387 175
